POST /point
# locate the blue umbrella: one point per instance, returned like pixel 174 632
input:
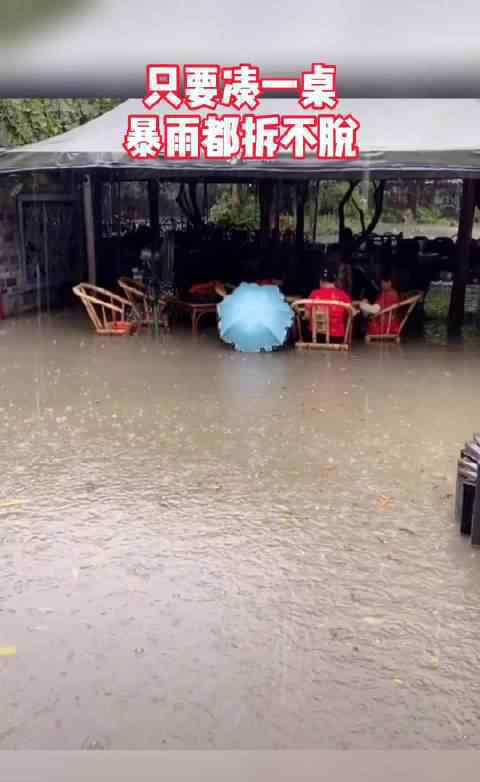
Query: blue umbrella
pixel 254 318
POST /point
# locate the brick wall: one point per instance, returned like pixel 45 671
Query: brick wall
pixel 10 271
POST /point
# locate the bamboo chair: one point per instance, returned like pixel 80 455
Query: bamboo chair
pixel 108 312
pixel 143 305
pixel 405 306
pixel 320 321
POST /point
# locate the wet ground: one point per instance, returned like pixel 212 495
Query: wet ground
pixel 204 549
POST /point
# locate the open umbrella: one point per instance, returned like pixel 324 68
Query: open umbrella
pixel 254 318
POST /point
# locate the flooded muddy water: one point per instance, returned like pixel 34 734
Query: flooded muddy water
pixel 204 549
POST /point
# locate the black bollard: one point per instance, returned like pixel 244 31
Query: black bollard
pixel 476 515
pixel 467 472
pixel 466 507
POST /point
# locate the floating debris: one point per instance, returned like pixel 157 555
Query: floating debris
pixel 384 503
pixel 95 744
pixel 11 503
pixel 8 651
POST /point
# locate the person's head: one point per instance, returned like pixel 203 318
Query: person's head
pixel 331 266
pixel 386 281
pixel 329 274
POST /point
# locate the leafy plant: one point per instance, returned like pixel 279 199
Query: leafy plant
pixel 233 213
pixel 20 16
pixel 28 120
pixel 429 215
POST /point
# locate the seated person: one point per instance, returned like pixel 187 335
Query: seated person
pixel 205 292
pixel 328 291
pixel 387 298
pixel 270 281
pixel 345 261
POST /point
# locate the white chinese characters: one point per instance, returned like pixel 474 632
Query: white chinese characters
pixel 229 123
pixel 221 137
pixel 143 139
pixel 319 87
pixel 163 83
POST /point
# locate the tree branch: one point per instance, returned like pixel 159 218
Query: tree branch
pixel 361 214
pixel 378 195
pixel 341 207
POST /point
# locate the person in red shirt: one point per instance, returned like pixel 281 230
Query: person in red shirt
pixel 205 291
pixel 328 291
pixel 388 297
pixel 270 281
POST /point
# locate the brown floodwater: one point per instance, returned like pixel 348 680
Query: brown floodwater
pixel 206 549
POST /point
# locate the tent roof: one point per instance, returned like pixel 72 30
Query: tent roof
pixel 397 137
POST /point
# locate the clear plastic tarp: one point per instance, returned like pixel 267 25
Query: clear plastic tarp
pixel 397 138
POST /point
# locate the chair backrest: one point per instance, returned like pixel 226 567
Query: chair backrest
pixel 320 320
pixel 127 284
pixel 318 312
pixel 403 309
pixel 136 293
pixel 409 305
pixel 103 306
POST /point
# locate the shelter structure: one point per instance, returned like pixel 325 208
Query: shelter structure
pixel 431 139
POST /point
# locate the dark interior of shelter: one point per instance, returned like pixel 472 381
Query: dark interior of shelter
pixel 192 232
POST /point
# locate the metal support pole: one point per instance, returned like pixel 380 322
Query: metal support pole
pixel 46 256
pixel 315 212
pixel 153 202
pixel 456 311
pixel 89 222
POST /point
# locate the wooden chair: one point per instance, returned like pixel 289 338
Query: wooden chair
pixel 143 305
pixel 110 314
pixel 195 311
pixel 320 322
pixel 402 310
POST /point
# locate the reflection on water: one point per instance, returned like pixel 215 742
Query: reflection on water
pixel 201 548
pixel 436 333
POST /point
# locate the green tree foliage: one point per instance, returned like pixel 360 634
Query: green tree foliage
pixel 28 120
pixel 243 212
pixel 232 212
pixel 23 16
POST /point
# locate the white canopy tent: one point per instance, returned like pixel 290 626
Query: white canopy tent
pixel 397 138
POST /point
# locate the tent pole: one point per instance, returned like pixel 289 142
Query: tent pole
pixel 315 212
pixel 456 313
pixel 153 201
pixel 301 193
pixel 89 222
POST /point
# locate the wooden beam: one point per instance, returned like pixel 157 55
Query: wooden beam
pixel 456 313
pixel 89 223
